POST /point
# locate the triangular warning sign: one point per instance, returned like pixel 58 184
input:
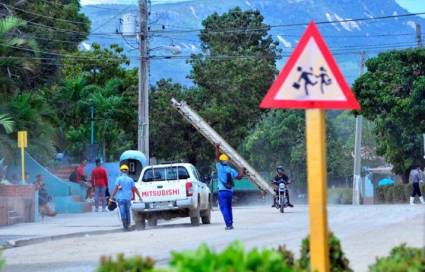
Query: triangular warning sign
pixel 310 79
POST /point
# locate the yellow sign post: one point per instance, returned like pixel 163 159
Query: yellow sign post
pixel 22 144
pixel 311 80
pixel 317 186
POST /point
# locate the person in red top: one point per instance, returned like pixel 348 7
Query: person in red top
pixel 99 178
pixel 80 176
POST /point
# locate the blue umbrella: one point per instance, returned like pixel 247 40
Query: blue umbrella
pixel 385 182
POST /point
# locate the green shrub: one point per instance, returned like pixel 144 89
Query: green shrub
pixel 2 262
pixel 379 194
pixel 287 255
pixel 408 190
pixel 122 264
pixel 340 195
pixel 233 258
pixel 337 260
pixel 389 194
pixel 401 259
pixel 346 196
pixel 334 196
pixel 399 195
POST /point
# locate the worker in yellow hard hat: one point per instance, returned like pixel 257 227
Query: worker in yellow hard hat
pixel 225 176
pixel 124 187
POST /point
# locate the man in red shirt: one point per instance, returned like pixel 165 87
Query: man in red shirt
pixel 99 178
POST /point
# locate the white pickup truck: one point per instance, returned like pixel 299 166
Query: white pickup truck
pixel 169 191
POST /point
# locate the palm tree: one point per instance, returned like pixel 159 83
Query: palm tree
pixel 7 146
pixel 7 123
pixel 17 61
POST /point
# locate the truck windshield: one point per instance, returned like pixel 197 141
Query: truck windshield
pixel 165 173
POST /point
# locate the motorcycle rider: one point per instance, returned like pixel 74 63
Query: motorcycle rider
pixel 281 177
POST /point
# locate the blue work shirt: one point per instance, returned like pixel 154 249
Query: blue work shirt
pixel 127 184
pixel 222 170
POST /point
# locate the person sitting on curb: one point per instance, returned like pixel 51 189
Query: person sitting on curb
pixel 123 190
pixel 44 199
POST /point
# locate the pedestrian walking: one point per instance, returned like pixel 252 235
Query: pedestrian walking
pixel 123 191
pixel 416 177
pixel 99 178
pixel 225 176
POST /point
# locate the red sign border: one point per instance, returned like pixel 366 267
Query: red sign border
pixel 269 100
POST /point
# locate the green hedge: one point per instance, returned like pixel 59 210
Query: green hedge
pixel 338 261
pixel 401 259
pixel 340 195
pixel 398 193
pixel 235 259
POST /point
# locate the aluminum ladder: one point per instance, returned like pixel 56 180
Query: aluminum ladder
pixel 212 136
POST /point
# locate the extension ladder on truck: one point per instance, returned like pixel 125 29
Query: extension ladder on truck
pixel 211 135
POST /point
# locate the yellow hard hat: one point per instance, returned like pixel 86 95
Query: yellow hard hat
pixel 124 167
pixel 223 157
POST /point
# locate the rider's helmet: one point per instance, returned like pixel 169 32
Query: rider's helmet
pixel 280 169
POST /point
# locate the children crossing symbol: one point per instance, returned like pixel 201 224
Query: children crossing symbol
pixel 310 79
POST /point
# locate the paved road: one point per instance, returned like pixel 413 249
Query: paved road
pixel 365 231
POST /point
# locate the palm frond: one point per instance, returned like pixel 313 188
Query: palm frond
pixel 9 23
pixel 7 123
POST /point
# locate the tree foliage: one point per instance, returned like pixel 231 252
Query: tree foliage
pixel 57 26
pixel 235 70
pixel 279 139
pixel 96 79
pixel 392 94
pixel 231 76
pixel 17 63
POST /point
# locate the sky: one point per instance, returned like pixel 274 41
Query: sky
pixel 410 5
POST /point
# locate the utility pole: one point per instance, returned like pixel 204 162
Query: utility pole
pixel 423 135
pixel 358 145
pixel 419 35
pixel 143 118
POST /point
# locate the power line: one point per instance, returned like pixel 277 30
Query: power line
pixel 111 18
pixel 335 50
pixel 268 27
pixel 43 16
pixel 296 24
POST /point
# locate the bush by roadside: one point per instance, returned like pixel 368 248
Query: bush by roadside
pixel 340 195
pixel 236 259
pixel 337 260
pixel 401 259
pixel 397 193
pixel 233 258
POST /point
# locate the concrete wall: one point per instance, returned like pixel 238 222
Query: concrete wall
pixel 17 204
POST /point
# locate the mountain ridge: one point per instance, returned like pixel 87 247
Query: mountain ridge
pixel 344 38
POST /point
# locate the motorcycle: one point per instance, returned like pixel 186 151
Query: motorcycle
pixel 281 200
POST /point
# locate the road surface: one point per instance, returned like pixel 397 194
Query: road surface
pixel 365 232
